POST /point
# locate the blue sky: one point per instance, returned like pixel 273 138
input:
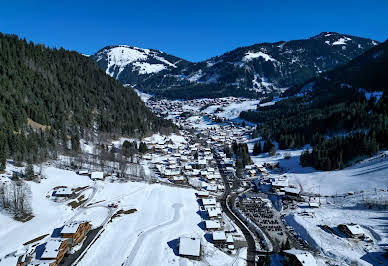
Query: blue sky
pixel 194 30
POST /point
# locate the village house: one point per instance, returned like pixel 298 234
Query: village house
pixel 189 247
pixel 209 202
pixel 214 213
pixel 202 194
pixel 178 179
pixel 352 230
pixel 212 225
pixel 63 193
pixel 219 238
pixel 54 251
pixel 97 175
pixel 75 231
pixel 300 258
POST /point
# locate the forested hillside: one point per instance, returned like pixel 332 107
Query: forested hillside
pixel 50 96
pixel 343 114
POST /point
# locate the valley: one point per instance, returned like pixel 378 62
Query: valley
pixel 185 185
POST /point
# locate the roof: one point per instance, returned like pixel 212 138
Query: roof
pixel 97 175
pixel 292 190
pixel 210 201
pixel 219 236
pixel 212 224
pixel 189 246
pixel 51 249
pixel 355 229
pixel 214 212
pixel 71 228
pixel 62 191
pixel 229 239
pixel 202 193
pixel 304 257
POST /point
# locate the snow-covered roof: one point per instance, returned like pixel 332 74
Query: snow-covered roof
pixel 71 228
pixel 63 191
pixel 178 178
pixel 292 190
pixel 355 229
pixel 211 201
pixel 214 212
pixel 212 188
pixel 212 224
pixel 51 249
pixel 97 175
pixel 219 236
pixel 304 257
pixel 229 239
pixel 203 193
pixel 189 246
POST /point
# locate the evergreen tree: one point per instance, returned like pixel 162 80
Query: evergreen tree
pixel 29 172
pixel 256 148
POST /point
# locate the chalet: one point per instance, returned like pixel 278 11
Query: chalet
pixel 178 179
pixel 211 188
pixel 75 231
pixel 189 247
pixel 279 183
pixel 54 251
pixel 313 204
pixel 63 193
pixel 219 238
pixel 171 173
pixel 97 175
pixel 212 225
pixel 202 163
pixel 210 202
pixel 214 213
pixel 300 258
pixel 83 172
pixel 352 230
pixel 202 194
pixel 290 191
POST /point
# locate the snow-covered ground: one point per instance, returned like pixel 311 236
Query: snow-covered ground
pixel 148 236
pixel 48 214
pixel 145 237
pixel 344 199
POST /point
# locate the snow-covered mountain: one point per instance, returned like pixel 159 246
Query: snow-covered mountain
pixel 130 64
pixel 252 71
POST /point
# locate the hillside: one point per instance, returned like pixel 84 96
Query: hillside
pixel 253 71
pixel 49 96
pixel 343 113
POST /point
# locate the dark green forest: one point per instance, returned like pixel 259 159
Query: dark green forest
pixel 335 117
pixel 67 95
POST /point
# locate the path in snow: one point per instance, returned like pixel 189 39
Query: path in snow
pixel 143 235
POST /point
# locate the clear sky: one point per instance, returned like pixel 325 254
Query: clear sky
pixel 192 29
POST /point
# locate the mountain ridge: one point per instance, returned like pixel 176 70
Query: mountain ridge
pixel 254 71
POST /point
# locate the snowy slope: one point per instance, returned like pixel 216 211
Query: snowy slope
pixel 254 70
pixel 126 62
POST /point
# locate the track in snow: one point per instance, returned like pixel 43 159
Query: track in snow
pixel 139 241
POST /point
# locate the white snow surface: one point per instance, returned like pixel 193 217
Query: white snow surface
pixel 121 56
pixel 252 55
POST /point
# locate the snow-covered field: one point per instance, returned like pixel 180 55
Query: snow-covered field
pixel 145 237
